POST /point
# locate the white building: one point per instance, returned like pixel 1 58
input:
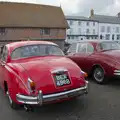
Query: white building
pixel 95 27
pixel 81 28
pixel 109 26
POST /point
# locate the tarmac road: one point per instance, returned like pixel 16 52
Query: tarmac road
pixel 102 103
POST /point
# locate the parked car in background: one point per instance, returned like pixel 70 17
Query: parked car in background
pixel 37 73
pixel 98 58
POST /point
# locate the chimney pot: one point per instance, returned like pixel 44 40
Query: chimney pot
pixel 92 13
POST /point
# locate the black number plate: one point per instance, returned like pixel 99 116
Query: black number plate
pixel 62 79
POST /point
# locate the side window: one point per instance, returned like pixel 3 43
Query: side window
pixel 82 48
pixel 72 48
pixel 90 48
pixel 4 54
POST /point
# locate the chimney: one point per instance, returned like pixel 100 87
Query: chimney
pixel 91 13
pixel 118 15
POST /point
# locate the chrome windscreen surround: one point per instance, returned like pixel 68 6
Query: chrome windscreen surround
pixel 41 99
pixel 116 72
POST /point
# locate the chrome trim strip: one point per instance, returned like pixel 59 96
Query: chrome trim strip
pixel 116 73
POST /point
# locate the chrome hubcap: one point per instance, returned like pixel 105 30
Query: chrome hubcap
pixel 99 74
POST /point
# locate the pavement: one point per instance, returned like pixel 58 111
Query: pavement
pixel 102 103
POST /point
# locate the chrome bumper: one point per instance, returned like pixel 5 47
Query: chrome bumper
pixel 116 72
pixel 40 99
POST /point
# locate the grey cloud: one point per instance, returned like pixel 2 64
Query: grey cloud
pixel 99 6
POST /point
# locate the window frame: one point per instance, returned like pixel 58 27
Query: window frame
pixel 107 36
pixel 45 31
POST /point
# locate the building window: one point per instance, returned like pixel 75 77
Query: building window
pixel 108 29
pixel 103 29
pixel 79 22
pixel 72 37
pixel 71 22
pixel 118 37
pixel 87 23
pixel 117 29
pixel 68 37
pixel 101 37
pixel 45 31
pixel 2 31
pixel 79 30
pixel 93 23
pixel 87 31
pixel 93 31
pixel 113 37
pixel 71 31
pixel 77 37
pixel 87 37
pixel 107 37
pixel 95 37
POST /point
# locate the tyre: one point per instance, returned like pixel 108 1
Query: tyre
pixel 13 105
pixel 99 75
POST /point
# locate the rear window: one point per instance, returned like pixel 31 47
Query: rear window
pixel 36 50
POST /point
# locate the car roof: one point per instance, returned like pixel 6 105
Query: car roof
pixel 15 45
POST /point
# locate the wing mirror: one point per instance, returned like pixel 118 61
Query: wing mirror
pixel 67 53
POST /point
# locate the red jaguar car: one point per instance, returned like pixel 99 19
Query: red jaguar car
pixel 37 73
pixel 98 58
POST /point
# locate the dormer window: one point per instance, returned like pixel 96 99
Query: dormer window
pixel 2 31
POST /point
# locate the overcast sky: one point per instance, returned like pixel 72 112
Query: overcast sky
pixel 81 7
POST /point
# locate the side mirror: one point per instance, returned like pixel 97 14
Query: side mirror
pixel 67 53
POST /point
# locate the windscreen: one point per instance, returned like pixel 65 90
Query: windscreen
pixel 109 46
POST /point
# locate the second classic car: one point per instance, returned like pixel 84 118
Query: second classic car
pixel 98 58
pixel 37 73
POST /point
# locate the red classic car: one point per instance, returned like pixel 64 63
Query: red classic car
pixel 37 73
pixel 98 58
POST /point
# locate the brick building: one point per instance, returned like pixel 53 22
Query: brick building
pixel 23 21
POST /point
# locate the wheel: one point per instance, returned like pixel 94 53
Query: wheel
pixel 13 105
pixel 99 75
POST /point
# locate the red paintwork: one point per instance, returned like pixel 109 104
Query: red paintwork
pixel 108 60
pixel 17 72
